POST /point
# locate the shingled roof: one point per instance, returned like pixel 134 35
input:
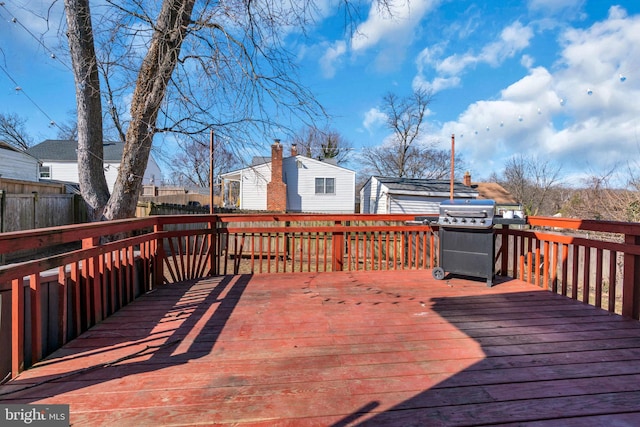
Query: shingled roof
pixel 423 186
pixel 58 150
pixel 494 191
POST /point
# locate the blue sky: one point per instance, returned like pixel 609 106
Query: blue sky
pixel 557 79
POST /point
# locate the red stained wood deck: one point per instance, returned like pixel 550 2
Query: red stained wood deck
pixel 348 348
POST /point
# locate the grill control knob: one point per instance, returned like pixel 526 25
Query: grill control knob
pixel 463 220
pixel 472 220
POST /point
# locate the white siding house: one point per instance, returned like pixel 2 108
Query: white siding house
pixel 17 164
pixel 385 195
pixel 312 186
pixel 60 162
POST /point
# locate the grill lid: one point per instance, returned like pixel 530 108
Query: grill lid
pixel 467 213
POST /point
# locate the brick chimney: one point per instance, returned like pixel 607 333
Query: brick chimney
pixel 294 150
pixel 276 188
pixel 466 180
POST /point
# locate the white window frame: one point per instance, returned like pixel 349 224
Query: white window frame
pixel 42 174
pixel 320 183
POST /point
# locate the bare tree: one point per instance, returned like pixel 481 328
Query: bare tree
pixel 191 165
pixel 68 131
pixel 531 181
pixel 406 153
pixel 322 144
pixel 184 68
pixel 13 132
pixel 600 199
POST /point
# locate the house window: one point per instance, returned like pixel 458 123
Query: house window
pixel 45 172
pixel 325 185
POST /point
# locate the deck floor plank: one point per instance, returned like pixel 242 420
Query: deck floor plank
pixel 342 349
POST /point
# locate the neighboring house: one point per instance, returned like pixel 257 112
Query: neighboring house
pixel 386 195
pixel 292 184
pixel 17 164
pixel 60 162
pixel 494 191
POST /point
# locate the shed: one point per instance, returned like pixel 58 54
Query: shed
pixel 17 164
pixel 389 195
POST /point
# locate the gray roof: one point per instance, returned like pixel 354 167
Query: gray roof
pixel 413 185
pixel 259 160
pixel 7 146
pixel 65 151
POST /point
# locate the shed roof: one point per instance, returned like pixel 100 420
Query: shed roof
pixel 424 186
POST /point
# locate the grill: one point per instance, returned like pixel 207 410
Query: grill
pixel 467 244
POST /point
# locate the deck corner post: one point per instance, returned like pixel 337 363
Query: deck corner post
pixel 631 280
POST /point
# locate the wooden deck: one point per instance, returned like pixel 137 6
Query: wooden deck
pixel 352 348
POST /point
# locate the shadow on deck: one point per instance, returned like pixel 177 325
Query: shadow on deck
pixel 352 348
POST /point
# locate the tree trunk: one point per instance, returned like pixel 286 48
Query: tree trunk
pixel 93 184
pixel 155 72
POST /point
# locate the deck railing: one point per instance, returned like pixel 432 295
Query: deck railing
pixel 87 272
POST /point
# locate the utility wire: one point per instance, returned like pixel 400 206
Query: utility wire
pixel 38 40
pixel 52 54
pixel 21 90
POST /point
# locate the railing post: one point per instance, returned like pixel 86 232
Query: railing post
pixel 93 283
pixel 212 260
pixel 17 326
pixel 158 261
pixel 338 248
pixel 631 281
pixel 504 249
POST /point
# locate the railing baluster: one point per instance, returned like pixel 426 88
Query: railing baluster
pixel 613 272
pixel 598 278
pixel 36 317
pixel 63 298
pixel 565 266
pixel 76 299
pixel 554 267
pixel 575 249
pixel 586 275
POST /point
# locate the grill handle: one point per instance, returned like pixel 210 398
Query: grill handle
pixel 467 214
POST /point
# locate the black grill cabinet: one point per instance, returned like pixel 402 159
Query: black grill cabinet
pixel 466 239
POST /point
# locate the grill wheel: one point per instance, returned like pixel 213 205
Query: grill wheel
pixel 438 273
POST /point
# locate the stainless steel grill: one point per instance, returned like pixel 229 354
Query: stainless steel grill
pixel 467 244
pixel 467 213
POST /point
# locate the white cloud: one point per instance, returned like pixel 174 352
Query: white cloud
pixel 549 112
pixel 512 40
pixel 390 31
pixel 332 55
pixel 373 118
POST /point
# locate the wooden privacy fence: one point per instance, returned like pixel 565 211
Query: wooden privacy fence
pixel 60 292
pixel 34 210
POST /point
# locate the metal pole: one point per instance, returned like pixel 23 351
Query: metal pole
pixel 211 171
pixel 453 143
